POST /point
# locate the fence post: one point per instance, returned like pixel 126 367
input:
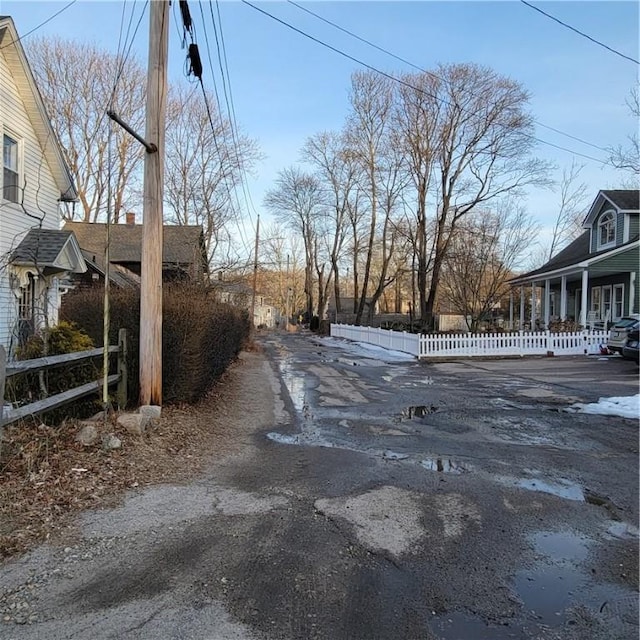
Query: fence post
pixel 122 368
pixel 3 371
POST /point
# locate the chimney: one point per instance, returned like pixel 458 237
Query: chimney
pixel 131 218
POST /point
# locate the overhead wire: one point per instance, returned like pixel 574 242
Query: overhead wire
pixel 421 69
pixel 49 19
pixel 580 33
pixel 226 79
pixel 404 82
pixel 194 51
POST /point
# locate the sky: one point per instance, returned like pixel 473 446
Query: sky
pixel 286 87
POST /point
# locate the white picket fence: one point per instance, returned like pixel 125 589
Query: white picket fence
pixel 468 345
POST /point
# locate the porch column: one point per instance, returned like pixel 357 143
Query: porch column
pixel 563 299
pixel 547 309
pixel 583 303
pixel 533 306
pixel 521 318
pixel 632 292
pixel 511 310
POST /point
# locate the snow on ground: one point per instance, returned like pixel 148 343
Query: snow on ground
pixel 366 350
pixel 623 406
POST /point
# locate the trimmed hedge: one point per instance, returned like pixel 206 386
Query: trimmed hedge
pixel 200 337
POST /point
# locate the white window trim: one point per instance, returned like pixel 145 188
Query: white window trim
pixel 603 311
pixel 592 300
pixel 612 243
pixel 20 144
pixel 617 287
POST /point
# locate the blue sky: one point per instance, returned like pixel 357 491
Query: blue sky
pixel 286 87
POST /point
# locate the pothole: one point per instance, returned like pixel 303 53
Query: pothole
pixel 418 411
pixel 445 465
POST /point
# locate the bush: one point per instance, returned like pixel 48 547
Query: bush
pixel 200 337
pixel 28 387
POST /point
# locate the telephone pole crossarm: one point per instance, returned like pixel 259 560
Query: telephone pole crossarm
pixel 149 146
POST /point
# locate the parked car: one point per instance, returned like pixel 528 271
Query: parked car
pixel 620 332
pixel 630 349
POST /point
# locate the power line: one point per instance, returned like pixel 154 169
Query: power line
pixel 580 33
pixel 404 82
pixel 49 19
pixel 231 109
pixel 422 70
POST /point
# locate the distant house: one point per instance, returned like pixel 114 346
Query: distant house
pixel 35 256
pixel 183 252
pixel 594 280
pixel 240 295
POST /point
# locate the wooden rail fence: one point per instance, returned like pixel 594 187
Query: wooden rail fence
pixel 9 414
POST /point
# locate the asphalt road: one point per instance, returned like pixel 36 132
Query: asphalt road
pixel 374 498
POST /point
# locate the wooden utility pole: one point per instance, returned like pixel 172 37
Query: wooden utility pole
pixel 255 273
pixel 151 275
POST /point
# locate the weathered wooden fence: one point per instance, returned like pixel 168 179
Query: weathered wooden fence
pixel 520 343
pixel 9 414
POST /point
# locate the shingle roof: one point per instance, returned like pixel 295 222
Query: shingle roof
pixel 625 199
pixel 180 245
pixel 40 246
pixel 119 275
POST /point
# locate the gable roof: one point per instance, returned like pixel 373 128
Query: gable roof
pixel 180 244
pixel 627 200
pixel 49 248
pixel 11 49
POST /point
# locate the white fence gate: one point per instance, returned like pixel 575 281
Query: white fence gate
pixel 468 345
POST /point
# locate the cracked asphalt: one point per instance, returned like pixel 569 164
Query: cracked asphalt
pixel 370 497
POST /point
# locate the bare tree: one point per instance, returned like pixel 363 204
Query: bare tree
pixel 78 83
pixel 628 158
pixel 479 150
pixel 336 170
pixel 369 141
pixel 484 251
pixel 204 168
pixel 571 209
pixel 296 201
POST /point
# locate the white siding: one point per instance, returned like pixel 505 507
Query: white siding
pixel 40 193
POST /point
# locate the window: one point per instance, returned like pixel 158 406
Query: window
pixel 596 301
pixel 26 304
pixel 618 301
pixel 10 189
pixel 606 304
pixel 607 229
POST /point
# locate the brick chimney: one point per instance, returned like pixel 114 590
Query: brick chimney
pixel 131 218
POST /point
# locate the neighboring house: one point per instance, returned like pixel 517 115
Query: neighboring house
pixel 183 252
pixel 34 254
pixel 594 280
pixel 240 295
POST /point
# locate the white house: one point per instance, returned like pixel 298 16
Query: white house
pixel 34 253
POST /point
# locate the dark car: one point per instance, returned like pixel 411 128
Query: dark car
pixel 630 349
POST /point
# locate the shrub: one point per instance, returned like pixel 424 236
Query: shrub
pixel 200 337
pixel 63 338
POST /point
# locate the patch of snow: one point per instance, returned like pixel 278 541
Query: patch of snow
pixel 366 350
pixel 622 406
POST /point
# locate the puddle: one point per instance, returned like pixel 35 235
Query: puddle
pixel 562 488
pixel 445 465
pixel 622 531
pixel 392 455
pixel 459 626
pixel 558 583
pixel 295 387
pixel 418 411
pixel 283 438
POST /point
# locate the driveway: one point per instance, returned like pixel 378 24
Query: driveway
pixel 372 497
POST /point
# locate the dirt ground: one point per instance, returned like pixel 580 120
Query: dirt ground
pixel 46 476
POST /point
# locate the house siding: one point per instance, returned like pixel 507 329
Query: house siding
pixel 40 197
pixel 634 225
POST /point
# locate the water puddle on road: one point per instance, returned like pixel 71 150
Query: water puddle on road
pixel 562 488
pixel 558 582
pixel 445 465
pixel 295 386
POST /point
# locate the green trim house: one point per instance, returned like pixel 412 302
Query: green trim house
pixel 594 280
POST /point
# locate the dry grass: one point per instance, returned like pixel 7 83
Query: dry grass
pixel 46 476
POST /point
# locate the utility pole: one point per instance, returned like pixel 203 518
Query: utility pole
pixel 288 294
pixel 151 275
pixel 255 273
